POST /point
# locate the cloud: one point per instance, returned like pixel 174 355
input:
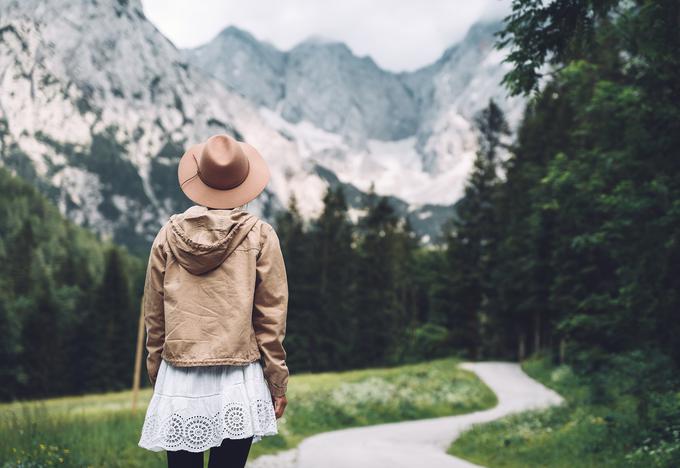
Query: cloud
pixel 495 10
pixel 397 34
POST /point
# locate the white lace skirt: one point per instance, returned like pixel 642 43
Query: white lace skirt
pixel 194 408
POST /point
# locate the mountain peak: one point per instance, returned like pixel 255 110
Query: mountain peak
pixel 236 32
pixel 318 41
pixel 252 67
pixel 113 105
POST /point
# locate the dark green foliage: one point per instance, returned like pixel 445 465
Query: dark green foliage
pixel 425 341
pixel 333 264
pixel 377 302
pixel 358 292
pixel 550 33
pixel 112 326
pixel 472 243
pixel 585 266
pixel 589 222
pixel 300 340
pixel 57 289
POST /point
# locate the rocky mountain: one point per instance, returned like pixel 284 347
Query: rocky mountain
pixel 411 134
pixel 97 106
pixel 317 81
pixel 255 69
pixel 452 90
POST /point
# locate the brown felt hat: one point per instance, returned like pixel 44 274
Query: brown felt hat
pixel 222 172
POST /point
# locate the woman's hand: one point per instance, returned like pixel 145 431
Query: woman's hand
pixel 279 405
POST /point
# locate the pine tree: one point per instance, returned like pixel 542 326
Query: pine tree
pixel 10 351
pixel 301 336
pixel 43 356
pixel 49 267
pixel 113 322
pixel 472 240
pixel 21 258
pixel 378 306
pixel 593 168
pixel 408 276
pixel 522 308
pixel 333 264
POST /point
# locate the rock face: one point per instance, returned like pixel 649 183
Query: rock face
pixel 317 81
pixel 351 95
pixel 97 106
pixel 409 133
pixel 451 91
pixel 253 68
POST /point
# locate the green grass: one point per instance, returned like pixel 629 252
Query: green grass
pixel 100 431
pixel 584 432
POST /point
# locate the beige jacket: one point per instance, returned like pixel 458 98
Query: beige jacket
pixel 216 292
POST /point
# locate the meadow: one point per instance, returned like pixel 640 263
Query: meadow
pixel 100 430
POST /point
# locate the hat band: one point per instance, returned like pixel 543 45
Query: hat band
pixel 200 176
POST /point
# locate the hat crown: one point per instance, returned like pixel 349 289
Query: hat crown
pixel 222 164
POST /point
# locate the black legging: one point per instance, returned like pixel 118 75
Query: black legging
pixel 232 453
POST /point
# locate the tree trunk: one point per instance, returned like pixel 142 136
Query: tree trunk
pixel 521 347
pixel 537 331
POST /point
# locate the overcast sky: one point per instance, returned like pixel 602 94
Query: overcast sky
pixel 398 34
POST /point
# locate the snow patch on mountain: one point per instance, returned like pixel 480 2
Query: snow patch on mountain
pixel 98 107
pixel 393 167
pixel 411 134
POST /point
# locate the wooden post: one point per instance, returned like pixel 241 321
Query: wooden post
pixel 138 357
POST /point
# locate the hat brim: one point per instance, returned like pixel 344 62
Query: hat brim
pixel 254 183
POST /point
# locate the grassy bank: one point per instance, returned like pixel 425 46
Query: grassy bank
pixel 100 431
pixel 603 424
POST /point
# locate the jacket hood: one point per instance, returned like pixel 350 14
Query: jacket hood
pixel 201 239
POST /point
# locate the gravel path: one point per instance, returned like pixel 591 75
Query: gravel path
pixel 415 443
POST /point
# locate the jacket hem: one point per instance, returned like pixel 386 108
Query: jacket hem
pixel 211 361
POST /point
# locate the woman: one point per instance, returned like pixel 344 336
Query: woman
pixel 215 306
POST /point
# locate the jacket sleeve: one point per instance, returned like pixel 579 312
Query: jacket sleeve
pixel 154 315
pixel 270 309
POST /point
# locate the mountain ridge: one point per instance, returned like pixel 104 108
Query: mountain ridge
pixel 434 104
pixel 98 106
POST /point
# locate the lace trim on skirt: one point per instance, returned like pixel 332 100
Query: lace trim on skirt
pixel 195 408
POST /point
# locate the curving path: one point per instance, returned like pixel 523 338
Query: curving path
pixel 416 443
